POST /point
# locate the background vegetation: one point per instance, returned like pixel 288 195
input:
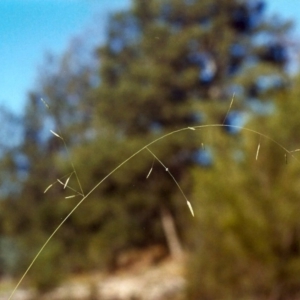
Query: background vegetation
pixel 165 65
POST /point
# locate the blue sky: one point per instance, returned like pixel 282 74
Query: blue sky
pixel 30 28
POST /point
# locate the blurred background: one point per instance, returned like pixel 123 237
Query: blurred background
pixel 109 77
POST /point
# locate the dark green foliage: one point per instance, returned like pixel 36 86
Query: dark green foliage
pixel 49 272
pixel 247 234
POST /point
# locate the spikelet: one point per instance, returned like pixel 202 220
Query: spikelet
pixel 56 134
pixel 190 207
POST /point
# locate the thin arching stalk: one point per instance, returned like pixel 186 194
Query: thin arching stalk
pixel 146 147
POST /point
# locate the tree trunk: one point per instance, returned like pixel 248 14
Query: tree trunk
pixel 172 238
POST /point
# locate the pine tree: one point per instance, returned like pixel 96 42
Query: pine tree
pixel 172 64
pixel 39 159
